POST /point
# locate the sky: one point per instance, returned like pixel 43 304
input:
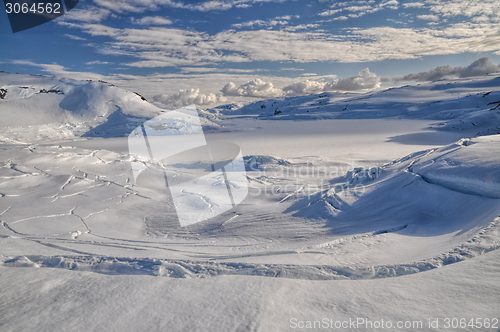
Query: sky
pixel 218 51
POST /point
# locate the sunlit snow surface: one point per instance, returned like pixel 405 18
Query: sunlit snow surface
pixel 383 185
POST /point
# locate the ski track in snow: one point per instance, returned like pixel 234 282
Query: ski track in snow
pixel 193 269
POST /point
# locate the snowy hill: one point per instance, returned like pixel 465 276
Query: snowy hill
pixel 63 107
pixel 466 104
pixel 427 193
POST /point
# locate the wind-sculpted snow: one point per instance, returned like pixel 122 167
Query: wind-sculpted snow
pixel 470 166
pixel 308 225
pixel 68 201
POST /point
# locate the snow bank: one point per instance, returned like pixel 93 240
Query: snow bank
pixel 471 166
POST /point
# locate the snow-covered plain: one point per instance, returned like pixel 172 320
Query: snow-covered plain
pixel 399 186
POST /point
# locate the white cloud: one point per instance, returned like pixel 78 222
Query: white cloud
pixel 292 69
pixel 199 69
pixel 254 88
pixel 218 70
pixel 429 17
pixel 479 67
pixel 391 4
pixel 262 89
pixel 357 8
pixel 306 87
pixel 188 97
pixel 97 62
pixel 139 6
pixel 414 5
pixel 448 8
pixel 90 14
pixel 279 20
pixel 364 81
pixel 452 40
pixel 162 48
pixel 152 20
pixel 259 23
pixel 168 47
pixel 330 12
pixel 74 37
pixel 301 27
pixel 60 71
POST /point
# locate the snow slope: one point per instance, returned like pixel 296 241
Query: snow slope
pixel 53 108
pixel 48 300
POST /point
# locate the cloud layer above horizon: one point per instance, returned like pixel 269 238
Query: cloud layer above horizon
pixel 418 28
pixel 212 51
pixel 364 81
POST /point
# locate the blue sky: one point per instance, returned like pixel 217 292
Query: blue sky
pixel 201 46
